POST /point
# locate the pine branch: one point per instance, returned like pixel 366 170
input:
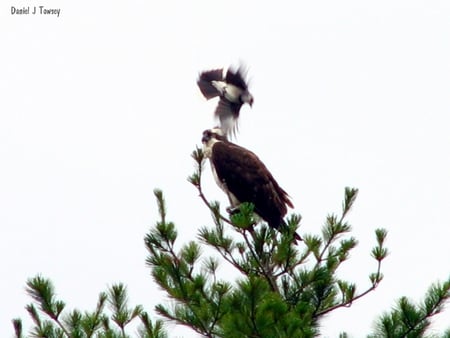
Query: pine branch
pixel 409 320
pixel 77 323
pixel 149 330
pixel 379 253
pixel 42 291
pixel 17 323
pixel 287 257
pixel 333 228
pixel 174 272
pixel 435 299
pixel 118 301
pixel 196 180
pixel 176 318
pixel 224 250
pixel 96 318
pixel 267 274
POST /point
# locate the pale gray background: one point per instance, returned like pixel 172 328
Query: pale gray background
pixel 100 106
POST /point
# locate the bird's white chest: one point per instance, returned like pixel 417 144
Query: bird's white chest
pixel 207 148
pixel 229 91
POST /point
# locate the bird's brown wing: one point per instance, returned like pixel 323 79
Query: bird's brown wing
pixel 248 179
pixel 205 85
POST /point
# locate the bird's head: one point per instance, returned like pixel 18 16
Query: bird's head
pixel 213 135
pixel 247 98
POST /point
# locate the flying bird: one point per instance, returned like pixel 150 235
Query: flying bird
pixel 245 178
pixel 233 92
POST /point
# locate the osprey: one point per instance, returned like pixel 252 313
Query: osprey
pixel 233 93
pixel 244 178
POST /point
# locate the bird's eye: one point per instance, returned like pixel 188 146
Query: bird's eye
pixel 207 135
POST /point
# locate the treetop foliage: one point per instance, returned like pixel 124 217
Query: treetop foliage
pixel 284 289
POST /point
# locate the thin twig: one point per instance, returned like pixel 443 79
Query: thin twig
pixel 202 196
pixel 350 301
pixel 269 278
pixel 55 318
pixel 327 244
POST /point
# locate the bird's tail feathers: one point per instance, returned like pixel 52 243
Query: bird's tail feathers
pixel 229 126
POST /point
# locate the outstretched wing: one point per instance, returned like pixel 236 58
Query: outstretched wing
pixel 248 179
pixel 236 78
pixel 205 82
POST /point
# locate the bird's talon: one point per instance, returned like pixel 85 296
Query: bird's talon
pixel 233 210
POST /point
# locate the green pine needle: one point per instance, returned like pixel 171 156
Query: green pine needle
pixel 17 323
pixel 349 199
pixel 244 219
pixel 161 204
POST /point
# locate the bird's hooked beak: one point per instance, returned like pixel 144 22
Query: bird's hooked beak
pixel 208 134
pixel 247 98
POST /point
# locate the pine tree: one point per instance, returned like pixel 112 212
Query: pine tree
pixel 110 318
pixel 283 289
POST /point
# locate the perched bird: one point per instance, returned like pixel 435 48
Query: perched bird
pixel 233 93
pixel 244 178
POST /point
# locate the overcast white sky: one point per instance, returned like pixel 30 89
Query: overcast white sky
pixel 100 106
